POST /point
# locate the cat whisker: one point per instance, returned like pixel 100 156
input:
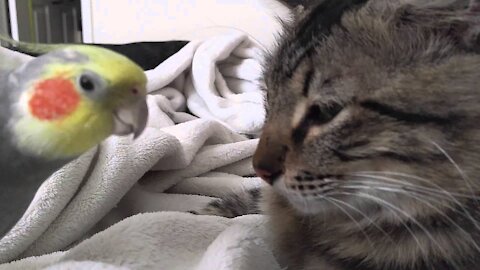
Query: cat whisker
pixel 364 216
pixel 400 188
pixel 436 188
pixel 404 187
pixel 457 167
pixel 421 248
pixel 410 217
pixel 354 220
pixel 450 220
pixel 429 191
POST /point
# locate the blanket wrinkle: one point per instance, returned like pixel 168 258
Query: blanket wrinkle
pixel 119 206
pixel 207 159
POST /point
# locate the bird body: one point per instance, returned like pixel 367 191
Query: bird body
pixel 54 108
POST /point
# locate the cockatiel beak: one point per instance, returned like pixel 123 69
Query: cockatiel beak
pixel 131 118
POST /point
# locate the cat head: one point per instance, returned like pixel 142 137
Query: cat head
pixel 375 103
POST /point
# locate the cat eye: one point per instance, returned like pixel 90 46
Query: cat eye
pixel 315 116
pixel 321 115
pixel 398 114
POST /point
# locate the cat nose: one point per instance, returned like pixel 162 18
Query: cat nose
pixel 267 175
pixel 268 160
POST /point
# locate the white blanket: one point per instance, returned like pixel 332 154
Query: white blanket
pixel 179 163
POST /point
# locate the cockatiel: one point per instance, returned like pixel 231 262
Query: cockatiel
pixel 56 107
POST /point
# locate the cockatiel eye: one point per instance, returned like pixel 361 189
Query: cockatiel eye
pixel 92 85
pixel 86 83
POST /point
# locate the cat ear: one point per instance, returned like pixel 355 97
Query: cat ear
pixel 298 11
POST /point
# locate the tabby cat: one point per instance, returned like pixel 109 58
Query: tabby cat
pixel 372 141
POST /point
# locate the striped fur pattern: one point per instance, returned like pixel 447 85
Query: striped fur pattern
pixel 373 131
pixel 234 204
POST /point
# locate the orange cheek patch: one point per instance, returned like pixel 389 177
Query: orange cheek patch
pixel 53 98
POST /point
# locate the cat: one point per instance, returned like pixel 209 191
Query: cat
pixel 371 147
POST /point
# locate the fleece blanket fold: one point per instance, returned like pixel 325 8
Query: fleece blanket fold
pixel 119 206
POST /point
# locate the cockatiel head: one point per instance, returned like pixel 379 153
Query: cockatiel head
pixel 67 101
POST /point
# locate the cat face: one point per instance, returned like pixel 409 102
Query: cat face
pixel 374 108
